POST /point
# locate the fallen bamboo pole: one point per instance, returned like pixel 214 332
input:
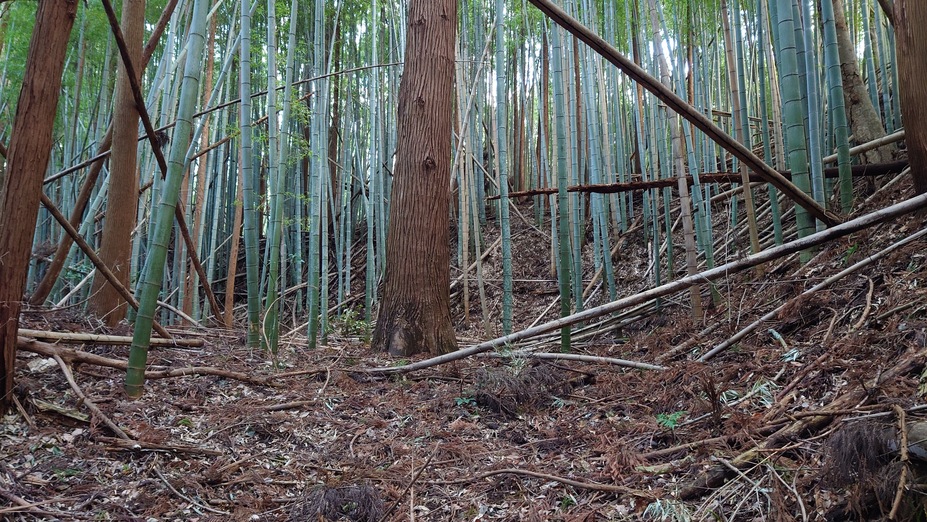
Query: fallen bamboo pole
pixel 865 147
pixel 734 339
pixel 72 356
pixel 751 261
pixel 80 337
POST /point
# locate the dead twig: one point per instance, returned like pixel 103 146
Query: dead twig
pixel 595 486
pixel 903 452
pixel 410 484
pixel 188 499
pixel 865 314
pixel 137 445
pixel 90 405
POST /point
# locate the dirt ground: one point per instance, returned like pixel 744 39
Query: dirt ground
pixel 794 422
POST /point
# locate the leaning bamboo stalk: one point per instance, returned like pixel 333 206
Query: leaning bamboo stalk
pixel 159 156
pixel 823 284
pixel 79 337
pixel 685 110
pixel 95 259
pixel 751 261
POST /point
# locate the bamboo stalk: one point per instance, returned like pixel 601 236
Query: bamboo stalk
pixel 865 147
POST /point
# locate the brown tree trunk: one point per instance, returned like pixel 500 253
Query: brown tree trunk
pixel 29 152
pixel 47 283
pixel 122 196
pixel 864 119
pixel 415 311
pixel 911 45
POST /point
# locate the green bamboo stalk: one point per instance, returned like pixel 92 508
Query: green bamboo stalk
pixel 501 147
pixel 164 216
pixel 563 218
pixel 836 105
pixel 249 192
pixel 793 113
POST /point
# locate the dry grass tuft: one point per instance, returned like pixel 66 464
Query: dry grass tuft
pixel 358 503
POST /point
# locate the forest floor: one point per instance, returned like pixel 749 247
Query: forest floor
pixel 796 421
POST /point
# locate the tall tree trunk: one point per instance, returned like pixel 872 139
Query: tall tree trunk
pixel 122 198
pixel 29 152
pixel 415 311
pixel 910 17
pixel 864 119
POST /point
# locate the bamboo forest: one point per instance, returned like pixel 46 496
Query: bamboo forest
pixel 519 260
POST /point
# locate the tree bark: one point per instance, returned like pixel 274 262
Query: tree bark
pixel 122 196
pixel 864 119
pixel 415 311
pixel 29 153
pixel 910 17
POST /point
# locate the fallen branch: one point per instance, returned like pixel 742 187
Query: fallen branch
pixel 595 486
pixel 138 445
pixel 77 337
pixel 192 502
pixel 76 356
pixel 411 483
pixel 89 403
pixel 684 283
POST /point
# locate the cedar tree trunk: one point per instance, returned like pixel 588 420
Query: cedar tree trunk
pixel 911 45
pixel 30 149
pixel 415 311
pixel 865 121
pixel 122 197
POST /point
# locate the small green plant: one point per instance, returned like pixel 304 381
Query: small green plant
pixel 850 251
pixel 351 323
pixel 670 420
pixel 67 472
pixel 184 421
pixel 465 401
pixel 567 502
